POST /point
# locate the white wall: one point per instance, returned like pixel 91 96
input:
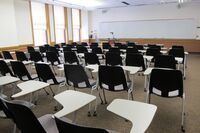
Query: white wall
pixel 8 31
pixel 15 24
pixel 23 22
pixel 151 12
pixel 84 26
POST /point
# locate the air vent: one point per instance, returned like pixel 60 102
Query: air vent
pixel 126 3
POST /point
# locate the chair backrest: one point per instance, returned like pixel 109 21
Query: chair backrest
pixel 63 44
pixel 177 52
pixel 140 47
pixel 118 45
pixel 153 52
pixel 91 58
pixel 70 57
pixel 53 49
pixel 132 50
pixel 131 44
pixel 25 119
pixel 177 46
pixel 45 73
pixel 76 74
pixel 36 56
pixel 7 55
pixel 135 60
pixel 169 83
pixel 1 55
pixel 74 44
pixel 84 44
pixel 67 49
pixel 4 69
pixel 21 56
pixel 5 109
pixel 42 49
pixel 97 50
pixel 154 46
pixel 57 46
pixel 114 50
pixel 106 45
pixel 52 57
pixel 113 59
pixel 165 61
pixel 124 46
pixel 64 127
pixel 94 45
pixel 112 76
pixel 30 49
pixel 81 49
pixel 20 70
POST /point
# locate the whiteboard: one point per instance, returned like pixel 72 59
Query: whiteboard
pixel 165 28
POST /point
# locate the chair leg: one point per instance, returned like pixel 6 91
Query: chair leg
pixel 14 128
pixel 100 98
pixel 132 95
pixel 104 96
pixel 183 115
pixel 95 109
pixel 51 90
pixel 46 91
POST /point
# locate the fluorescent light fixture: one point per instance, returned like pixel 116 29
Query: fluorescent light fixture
pixel 84 3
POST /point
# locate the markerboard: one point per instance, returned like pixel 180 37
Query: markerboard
pixel 165 28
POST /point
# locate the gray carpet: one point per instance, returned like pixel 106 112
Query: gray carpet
pixel 166 120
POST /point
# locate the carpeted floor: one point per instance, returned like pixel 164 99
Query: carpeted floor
pixel 167 118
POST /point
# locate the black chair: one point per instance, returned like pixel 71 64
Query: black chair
pixel 112 78
pixel 177 52
pixel 113 59
pixel 7 55
pixel 42 49
pixel 91 58
pixel 53 49
pixel 64 127
pixel 74 44
pixel 67 49
pixel 63 44
pixel 167 84
pixel 30 49
pixel 114 50
pixel 21 56
pixel 132 50
pixel 27 122
pixel 118 45
pixel 154 46
pixel 20 71
pixel 4 69
pixel 45 74
pixel 140 47
pixel 84 44
pixel 77 77
pixel 131 44
pixel 124 46
pixel 135 60
pixel 36 56
pixel 153 52
pixel 177 46
pixel 106 45
pixel 53 58
pixel 57 46
pixel 94 45
pixel 165 61
pixel 70 57
pixel 81 49
pixel 1 55
pixel 97 50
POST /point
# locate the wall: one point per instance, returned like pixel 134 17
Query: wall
pixel 84 26
pixel 151 12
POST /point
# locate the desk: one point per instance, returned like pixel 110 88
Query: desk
pixel 30 87
pixel 138 113
pixel 5 80
pixel 72 101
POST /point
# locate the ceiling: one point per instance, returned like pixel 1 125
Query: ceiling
pixel 100 4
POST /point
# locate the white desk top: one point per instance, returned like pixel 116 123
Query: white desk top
pixel 7 80
pixel 149 58
pixel 72 101
pixel 140 114
pixel 131 69
pixel 149 69
pixel 29 87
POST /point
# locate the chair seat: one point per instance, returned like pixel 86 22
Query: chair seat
pixel 118 87
pixel 34 76
pixel 59 79
pixel 49 124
